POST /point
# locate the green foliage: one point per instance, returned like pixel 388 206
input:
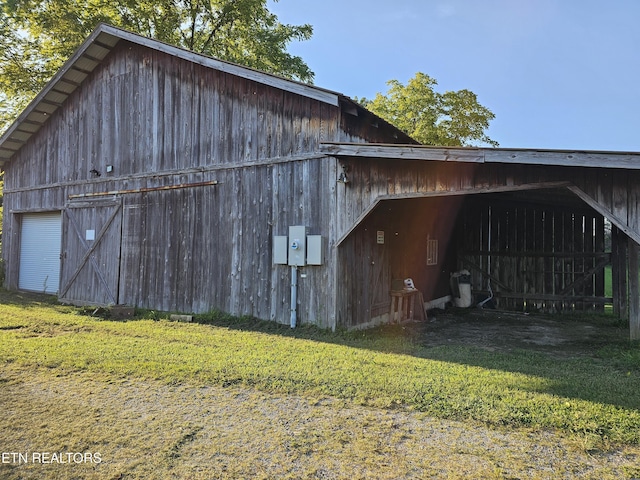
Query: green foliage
pixel 39 35
pixel 430 117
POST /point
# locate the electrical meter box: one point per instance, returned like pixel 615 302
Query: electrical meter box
pixel 297 245
pixel 298 249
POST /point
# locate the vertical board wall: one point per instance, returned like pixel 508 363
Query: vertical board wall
pixel 535 257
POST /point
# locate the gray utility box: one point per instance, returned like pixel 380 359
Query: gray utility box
pixel 280 252
pixel 314 249
pixel 298 249
pixel 297 246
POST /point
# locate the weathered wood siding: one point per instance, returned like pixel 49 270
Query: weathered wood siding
pixel 615 193
pixel 199 248
pixel 146 112
pixel 160 131
pixel 543 257
pixel 159 121
pixel 537 257
pixel 369 267
pixel 609 191
pixel 372 183
pixel 194 249
pixel 205 167
pixel 374 180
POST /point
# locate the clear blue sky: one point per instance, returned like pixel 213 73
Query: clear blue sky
pixel 559 74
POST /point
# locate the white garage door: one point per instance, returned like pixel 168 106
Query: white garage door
pixel 40 242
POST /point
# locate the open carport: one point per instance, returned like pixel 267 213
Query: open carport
pixel 528 224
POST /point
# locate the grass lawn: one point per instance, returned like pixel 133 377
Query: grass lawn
pixel 588 404
pixel 608 281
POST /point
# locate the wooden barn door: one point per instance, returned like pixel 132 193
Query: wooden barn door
pixel 364 267
pixel 91 253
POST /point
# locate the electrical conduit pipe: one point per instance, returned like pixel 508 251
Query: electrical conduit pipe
pixel 294 295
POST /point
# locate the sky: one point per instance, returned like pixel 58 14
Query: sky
pixel 557 74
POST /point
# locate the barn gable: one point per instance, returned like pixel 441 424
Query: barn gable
pixel 91 54
pixel 172 172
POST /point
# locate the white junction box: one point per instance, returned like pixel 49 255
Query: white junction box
pixel 297 245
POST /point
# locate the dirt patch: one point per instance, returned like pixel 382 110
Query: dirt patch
pixel 494 330
pixel 149 430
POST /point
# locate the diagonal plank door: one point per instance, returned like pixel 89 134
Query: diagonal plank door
pixel 91 253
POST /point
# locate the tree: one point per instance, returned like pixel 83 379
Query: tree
pixel 432 118
pixel 39 35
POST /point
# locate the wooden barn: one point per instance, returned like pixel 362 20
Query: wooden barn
pixel 151 176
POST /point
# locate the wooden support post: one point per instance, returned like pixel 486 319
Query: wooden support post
pixel 599 247
pixel 622 275
pixel 615 284
pixel 619 272
pixel 634 291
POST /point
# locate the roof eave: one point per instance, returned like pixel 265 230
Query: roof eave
pixel 544 157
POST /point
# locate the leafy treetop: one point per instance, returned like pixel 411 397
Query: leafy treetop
pixel 430 117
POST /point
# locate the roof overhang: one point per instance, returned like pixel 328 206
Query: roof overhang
pixel 566 158
pixel 90 55
pixel 63 84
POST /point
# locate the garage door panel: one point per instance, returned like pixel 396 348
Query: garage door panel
pixel 40 246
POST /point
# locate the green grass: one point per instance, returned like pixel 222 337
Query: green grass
pixel 593 399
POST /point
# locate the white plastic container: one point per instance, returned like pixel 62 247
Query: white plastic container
pixel 461 289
